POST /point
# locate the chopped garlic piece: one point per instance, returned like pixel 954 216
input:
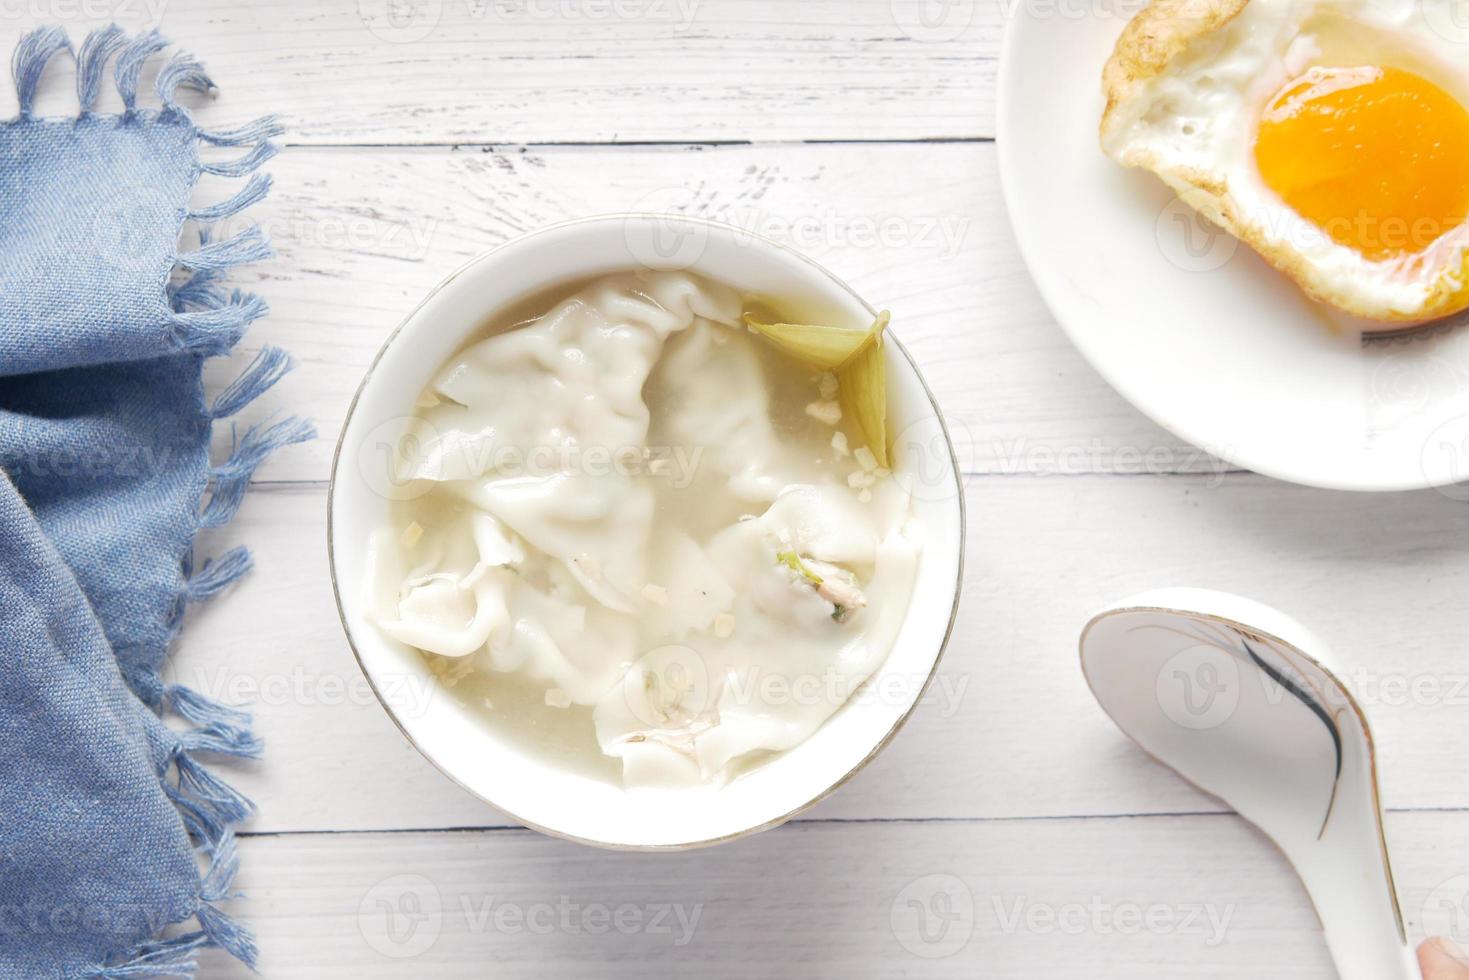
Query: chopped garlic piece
pixel 557 698
pixel 881 472
pixel 724 625
pixel 839 443
pixel 426 400
pixel 865 496
pixel 829 412
pixel 412 534
pixel 451 670
pixel 865 459
pixel 655 594
pixel 856 480
pixel 826 383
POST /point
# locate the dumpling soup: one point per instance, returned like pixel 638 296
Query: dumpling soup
pixel 650 532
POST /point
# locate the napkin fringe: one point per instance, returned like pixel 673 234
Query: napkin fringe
pixel 208 320
pixel 181 71
pixel 217 574
pixel 203 318
pixel 213 331
pixel 210 808
pixel 34 51
pixel 269 366
pixel 248 246
pixel 97 50
pixel 177 956
pixel 252 192
pixel 262 128
pixel 232 477
pixel 167 958
pixel 129 67
pixel 195 707
pixel 258 154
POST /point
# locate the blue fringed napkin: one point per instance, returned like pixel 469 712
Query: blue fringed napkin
pixel 115 840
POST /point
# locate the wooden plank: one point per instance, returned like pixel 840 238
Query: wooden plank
pixel 918 228
pixel 1116 899
pixel 525 71
pixel 1380 578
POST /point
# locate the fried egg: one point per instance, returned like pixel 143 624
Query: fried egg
pixel 1332 137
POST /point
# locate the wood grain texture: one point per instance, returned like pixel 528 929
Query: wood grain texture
pixel 422 132
pixel 1112 899
pixel 1379 578
pixel 577 71
pixel 918 228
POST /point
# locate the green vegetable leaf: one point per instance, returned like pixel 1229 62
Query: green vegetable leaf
pixel 857 358
pixel 793 561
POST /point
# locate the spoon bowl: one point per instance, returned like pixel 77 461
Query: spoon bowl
pixel 1241 701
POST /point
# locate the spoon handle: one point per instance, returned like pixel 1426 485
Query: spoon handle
pixel 1351 886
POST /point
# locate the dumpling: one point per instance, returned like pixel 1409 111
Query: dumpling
pixel 699 708
pixel 696 594
pixel 566 476
pixel 712 394
pixel 695 624
pixel 453 598
pixel 564 640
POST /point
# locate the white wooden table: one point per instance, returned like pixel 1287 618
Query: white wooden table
pixel 1034 839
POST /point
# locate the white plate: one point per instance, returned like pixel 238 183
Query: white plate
pixel 1188 324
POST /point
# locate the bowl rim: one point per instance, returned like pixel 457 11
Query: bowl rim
pixel 383 701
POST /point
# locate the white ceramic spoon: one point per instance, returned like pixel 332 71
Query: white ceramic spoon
pixel 1240 701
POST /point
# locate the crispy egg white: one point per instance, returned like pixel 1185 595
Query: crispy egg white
pixel 1333 137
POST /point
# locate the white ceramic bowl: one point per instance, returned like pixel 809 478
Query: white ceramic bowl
pixel 495 768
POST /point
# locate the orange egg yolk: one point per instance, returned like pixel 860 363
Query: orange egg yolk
pixel 1377 158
